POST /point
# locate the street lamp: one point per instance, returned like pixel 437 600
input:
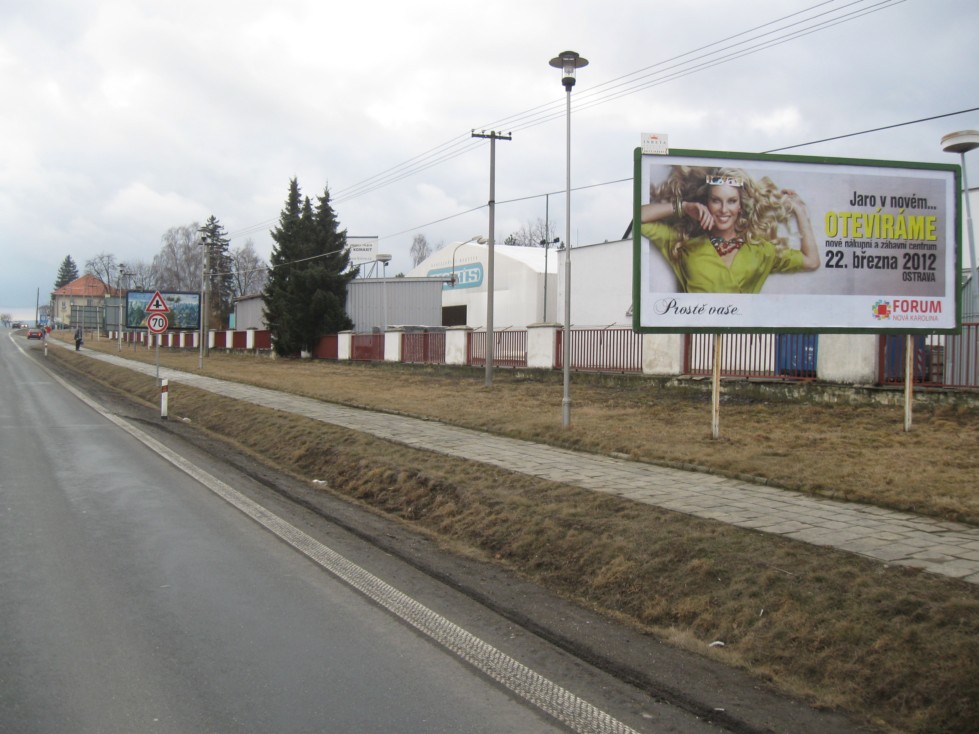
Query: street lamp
pixel 125 276
pixel 122 272
pixel 567 62
pixel 962 142
pixel 203 307
pixel 478 240
pixel 384 259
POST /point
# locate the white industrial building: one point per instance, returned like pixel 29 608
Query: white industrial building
pixel 529 284
pixel 524 281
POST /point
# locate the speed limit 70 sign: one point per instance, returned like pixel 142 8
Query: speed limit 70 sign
pixel 157 323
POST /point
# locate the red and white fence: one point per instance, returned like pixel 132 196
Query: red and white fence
pixel 939 360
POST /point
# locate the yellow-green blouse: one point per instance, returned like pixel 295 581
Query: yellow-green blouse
pixel 701 270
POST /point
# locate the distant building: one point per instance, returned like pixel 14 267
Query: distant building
pixel 377 304
pixel 249 312
pixel 82 302
pixel 524 279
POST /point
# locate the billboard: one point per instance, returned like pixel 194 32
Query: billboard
pixel 742 242
pixel 184 313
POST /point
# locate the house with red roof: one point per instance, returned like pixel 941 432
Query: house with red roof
pixel 82 302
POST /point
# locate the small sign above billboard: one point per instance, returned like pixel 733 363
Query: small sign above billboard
pixel 655 144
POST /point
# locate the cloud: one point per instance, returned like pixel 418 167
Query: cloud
pixel 124 119
pixel 787 120
pixel 137 203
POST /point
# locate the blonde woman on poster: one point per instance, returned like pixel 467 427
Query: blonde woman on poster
pixel 718 229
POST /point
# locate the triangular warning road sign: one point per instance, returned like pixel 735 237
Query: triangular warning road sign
pixel 157 304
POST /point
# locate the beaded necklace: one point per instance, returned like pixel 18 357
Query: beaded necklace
pixel 725 247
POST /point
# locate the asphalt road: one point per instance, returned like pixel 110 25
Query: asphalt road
pixel 134 597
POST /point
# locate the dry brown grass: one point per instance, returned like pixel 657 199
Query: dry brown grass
pixel 896 647
pixel 854 452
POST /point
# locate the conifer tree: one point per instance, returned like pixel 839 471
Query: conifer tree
pixel 306 290
pixel 66 273
pixel 219 276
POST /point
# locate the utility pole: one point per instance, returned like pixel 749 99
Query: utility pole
pixel 490 357
pixel 205 263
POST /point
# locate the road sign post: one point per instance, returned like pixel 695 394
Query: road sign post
pixel 157 322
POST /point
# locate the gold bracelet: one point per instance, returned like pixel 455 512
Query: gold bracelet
pixel 678 207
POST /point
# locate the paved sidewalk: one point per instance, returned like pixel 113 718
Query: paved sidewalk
pixel 945 548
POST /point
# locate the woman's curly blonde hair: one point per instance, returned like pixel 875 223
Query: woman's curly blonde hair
pixel 763 204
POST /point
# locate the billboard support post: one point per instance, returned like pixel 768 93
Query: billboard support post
pixel 908 380
pixel 715 396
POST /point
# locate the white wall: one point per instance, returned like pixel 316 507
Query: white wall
pixel 848 358
pixel 601 284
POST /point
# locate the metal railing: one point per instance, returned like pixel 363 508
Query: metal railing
pixel 509 348
pixel 601 350
pixel 938 360
pixel 423 347
pixel 785 356
pixel 328 347
pixel 367 348
pixel 960 358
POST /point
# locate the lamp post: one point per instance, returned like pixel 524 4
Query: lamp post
pixel 962 142
pixel 478 239
pixel 125 277
pixel 122 271
pixel 567 62
pixel 384 259
pixel 204 267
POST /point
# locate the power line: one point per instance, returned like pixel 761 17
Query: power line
pixel 604 92
pixel 704 62
pixel 709 55
pixel 623 180
pixel 874 130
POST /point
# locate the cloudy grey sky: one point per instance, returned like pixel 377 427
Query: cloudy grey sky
pixel 123 118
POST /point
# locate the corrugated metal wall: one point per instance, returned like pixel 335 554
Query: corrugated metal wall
pixel 410 302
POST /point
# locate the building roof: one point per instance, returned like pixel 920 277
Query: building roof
pixel 87 286
pixel 459 253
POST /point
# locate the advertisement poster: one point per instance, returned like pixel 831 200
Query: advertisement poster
pixel 361 250
pixel 734 242
pixel 184 309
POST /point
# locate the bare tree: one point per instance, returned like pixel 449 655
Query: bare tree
pixel 419 249
pixel 103 266
pixel 249 270
pixel 138 276
pixel 178 265
pixel 532 234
